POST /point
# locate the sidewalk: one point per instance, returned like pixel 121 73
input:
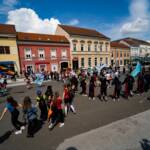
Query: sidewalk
pixel 125 134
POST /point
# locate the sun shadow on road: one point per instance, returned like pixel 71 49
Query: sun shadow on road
pixel 5 136
pixel 145 144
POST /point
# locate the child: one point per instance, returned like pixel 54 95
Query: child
pixel 11 106
pixel 57 115
pixel 42 105
pixel 31 114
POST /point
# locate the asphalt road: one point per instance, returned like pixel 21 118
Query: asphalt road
pixel 90 115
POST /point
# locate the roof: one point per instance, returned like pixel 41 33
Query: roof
pixel 34 37
pixel 72 30
pixel 134 42
pixel 7 29
pixel 118 45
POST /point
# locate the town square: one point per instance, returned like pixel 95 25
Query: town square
pixel 77 81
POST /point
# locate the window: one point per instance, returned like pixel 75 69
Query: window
pixel 53 53
pixel 82 62
pixel 117 54
pixel 120 54
pixel 28 54
pixel 89 62
pixel 106 47
pixel 64 53
pixel 101 47
pixel 89 47
pixel 82 47
pixel 4 50
pixel 95 47
pixel 41 53
pixel 124 54
pixel 95 61
pixel 74 47
pixel 106 60
pixel 120 62
pixel 101 60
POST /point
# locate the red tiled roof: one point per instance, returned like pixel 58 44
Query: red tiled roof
pixel 34 37
pixel 7 29
pixel 119 45
pixel 82 31
pixel 134 42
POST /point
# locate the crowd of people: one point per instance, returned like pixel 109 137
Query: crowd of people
pixel 54 108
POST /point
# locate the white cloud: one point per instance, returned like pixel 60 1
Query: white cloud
pixel 139 19
pixel 74 22
pixel 26 20
pixel 7 5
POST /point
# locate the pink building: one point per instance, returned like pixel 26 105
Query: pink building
pixel 43 52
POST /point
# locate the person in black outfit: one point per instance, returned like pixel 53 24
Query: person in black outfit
pixel 103 88
pixel 91 88
pixel 117 83
pixel 83 85
pixel 49 95
pixel 42 106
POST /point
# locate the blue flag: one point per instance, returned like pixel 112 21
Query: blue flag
pixel 137 70
pixel 39 79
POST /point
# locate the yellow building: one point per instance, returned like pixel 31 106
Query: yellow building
pixel 89 48
pixel 9 57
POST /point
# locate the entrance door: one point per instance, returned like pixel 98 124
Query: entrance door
pixel 75 64
pixel 64 66
pixel 29 69
pixel 43 67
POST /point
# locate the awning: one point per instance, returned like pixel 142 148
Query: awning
pixel 7 62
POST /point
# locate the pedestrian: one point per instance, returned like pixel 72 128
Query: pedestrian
pixel 117 88
pixel 71 98
pixel 57 115
pixel 128 81
pixel 49 95
pixel 30 112
pixel 42 106
pixel 83 86
pixel 140 83
pixel 12 106
pixel 92 89
pixel 66 98
pixel 103 88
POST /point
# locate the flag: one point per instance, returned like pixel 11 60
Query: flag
pixel 39 79
pixel 137 70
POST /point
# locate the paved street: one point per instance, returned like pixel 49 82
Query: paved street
pixel 90 115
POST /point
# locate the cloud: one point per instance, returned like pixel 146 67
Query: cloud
pixel 26 20
pixel 139 19
pixel 7 5
pixel 74 22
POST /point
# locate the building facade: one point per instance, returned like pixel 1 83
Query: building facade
pixel 140 50
pixel 39 52
pixel 120 54
pixel 89 48
pixel 9 57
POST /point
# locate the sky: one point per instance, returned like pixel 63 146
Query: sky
pixel 114 18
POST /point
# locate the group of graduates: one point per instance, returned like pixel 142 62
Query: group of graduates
pixel 53 108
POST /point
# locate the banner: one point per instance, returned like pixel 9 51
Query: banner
pixel 137 70
pixel 39 79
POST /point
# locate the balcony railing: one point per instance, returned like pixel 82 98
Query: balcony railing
pixel 45 58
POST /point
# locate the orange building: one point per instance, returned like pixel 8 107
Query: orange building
pixel 120 54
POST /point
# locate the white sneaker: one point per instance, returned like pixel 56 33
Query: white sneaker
pixel 93 98
pixel 114 99
pixel 89 98
pixel 18 132
pixel 61 125
pixel 23 128
pixel 50 126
